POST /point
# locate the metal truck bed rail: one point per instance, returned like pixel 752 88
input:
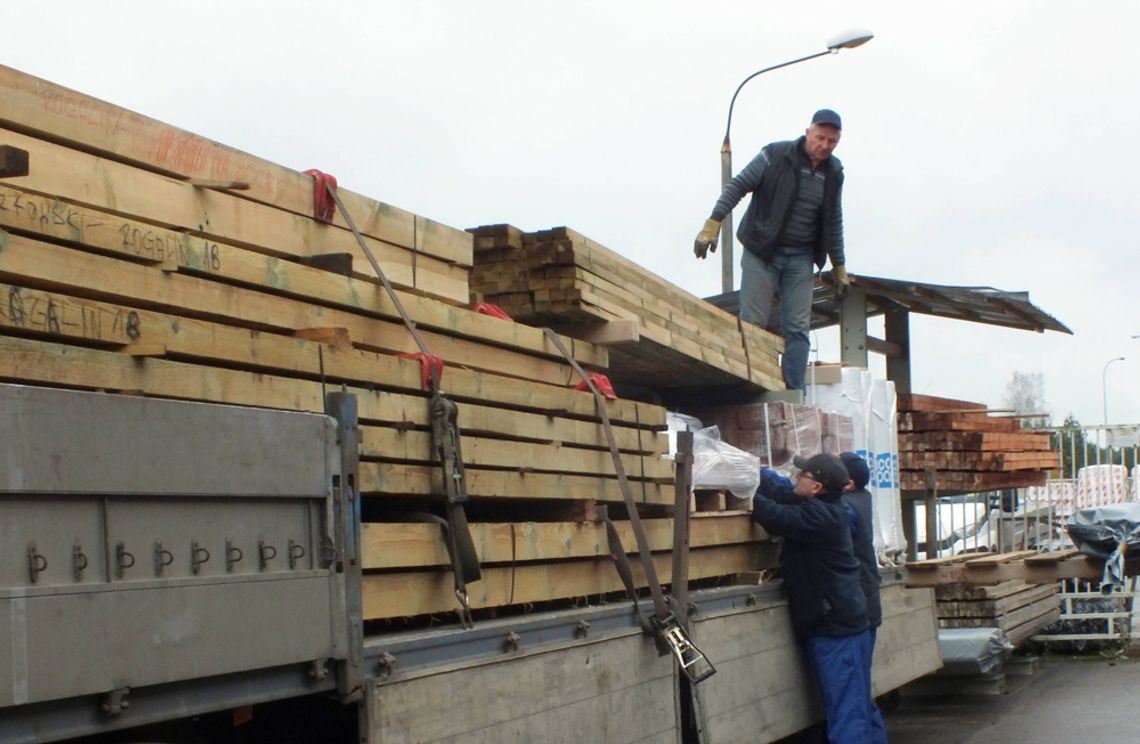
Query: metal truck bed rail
pixel 150 543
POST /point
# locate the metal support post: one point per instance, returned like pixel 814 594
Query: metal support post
pixel 897 327
pixel 853 327
pixel 346 541
pixel 726 236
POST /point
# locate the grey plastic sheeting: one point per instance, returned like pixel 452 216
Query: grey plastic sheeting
pixel 968 652
pixel 1108 533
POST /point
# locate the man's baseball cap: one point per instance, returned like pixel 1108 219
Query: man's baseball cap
pixel 857 468
pixel 825 468
pixel 827 116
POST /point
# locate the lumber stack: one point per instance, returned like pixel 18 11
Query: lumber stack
pixel 1018 609
pixel 131 263
pixel 969 448
pixel 663 336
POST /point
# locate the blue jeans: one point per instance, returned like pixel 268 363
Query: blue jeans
pixel 838 664
pixel 878 728
pixel 791 273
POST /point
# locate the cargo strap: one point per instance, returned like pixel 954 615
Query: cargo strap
pixel 443 414
pixel 669 635
pixel 460 546
pixel 486 308
pixel 324 207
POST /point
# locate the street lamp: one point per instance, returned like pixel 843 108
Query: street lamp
pixel 849 40
pixel 1104 386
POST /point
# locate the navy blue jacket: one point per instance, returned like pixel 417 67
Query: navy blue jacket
pixel 869 577
pixel 817 561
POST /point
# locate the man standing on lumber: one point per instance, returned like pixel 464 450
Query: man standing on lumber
pixel 821 576
pixel 856 495
pixel 795 219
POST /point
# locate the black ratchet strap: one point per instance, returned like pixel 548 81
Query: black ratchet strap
pixel 669 635
pixel 443 414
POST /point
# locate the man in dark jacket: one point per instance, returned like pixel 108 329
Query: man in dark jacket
pixel 795 219
pixel 821 576
pixel 856 496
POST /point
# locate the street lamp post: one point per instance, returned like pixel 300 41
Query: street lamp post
pixel 1104 386
pixel 848 40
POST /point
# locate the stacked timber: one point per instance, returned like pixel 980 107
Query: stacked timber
pixel 1016 608
pixel 663 336
pixel 132 262
pixel 968 448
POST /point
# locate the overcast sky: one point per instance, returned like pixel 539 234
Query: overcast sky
pixel 985 143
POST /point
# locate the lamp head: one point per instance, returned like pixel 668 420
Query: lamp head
pixel 849 39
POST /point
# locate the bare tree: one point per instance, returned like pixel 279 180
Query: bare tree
pixel 1025 394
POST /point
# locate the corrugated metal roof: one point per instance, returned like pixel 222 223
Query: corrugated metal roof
pixel 975 304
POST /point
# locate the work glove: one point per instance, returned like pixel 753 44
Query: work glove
pixel 706 238
pixel 842 281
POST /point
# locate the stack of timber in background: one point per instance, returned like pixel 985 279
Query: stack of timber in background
pixel 969 449
pixel 1016 608
pixel 128 266
pixel 563 280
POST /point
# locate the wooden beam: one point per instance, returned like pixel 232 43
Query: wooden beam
pixel 96 126
pixel 392 595
pixel 137 241
pixel 405 545
pixel 336 337
pixel 220 215
pixel 88 275
pixel 391 445
pixel 143 333
pixel 1077 567
pixel 560 278
pixel 383 480
pixel 886 348
pixel 610 332
pixel 39 362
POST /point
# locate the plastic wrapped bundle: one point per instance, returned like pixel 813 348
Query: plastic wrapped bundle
pixel 1108 533
pixel 1098 485
pixel 970 652
pixel 718 466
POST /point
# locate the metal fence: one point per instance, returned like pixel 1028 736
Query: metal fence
pixel 1098 466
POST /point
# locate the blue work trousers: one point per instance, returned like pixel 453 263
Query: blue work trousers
pixel 839 667
pixel 878 728
pixel 791 273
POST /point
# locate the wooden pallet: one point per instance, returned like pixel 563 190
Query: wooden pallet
pixel 1030 566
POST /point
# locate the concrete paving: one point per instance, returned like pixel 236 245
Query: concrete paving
pixel 1068 699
